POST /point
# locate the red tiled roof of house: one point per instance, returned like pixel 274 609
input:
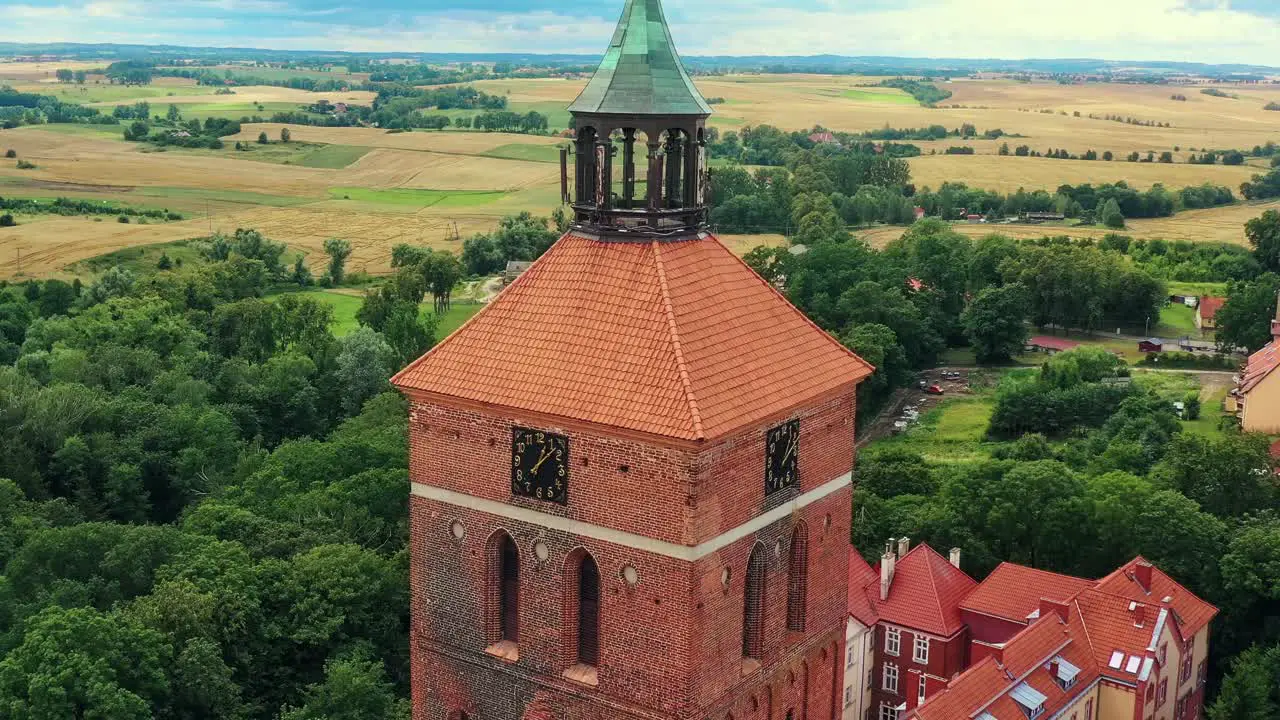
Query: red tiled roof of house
pixel 1191 612
pixel 925 593
pixel 1275 449
pixel 1013 591
pixel 1052 343
pixel 1209 306
pixel 864 586
pixel 1260 365
pixel 676 338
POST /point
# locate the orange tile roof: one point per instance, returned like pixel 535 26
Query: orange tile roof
pixel 1099 623
pixel 676 338
pixel 926 593
pixel 1260 365
pixel 864 587
pixel 1191 612
pixel 1013 591
pixel 1209 306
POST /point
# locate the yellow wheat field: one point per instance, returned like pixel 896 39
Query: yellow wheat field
pixel 1008 173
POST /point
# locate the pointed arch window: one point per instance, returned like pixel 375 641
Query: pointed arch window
pixel 588 612
pixel 798 578
pixel 753 604
pixel 503 602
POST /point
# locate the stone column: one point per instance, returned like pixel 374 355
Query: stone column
pixel 628 168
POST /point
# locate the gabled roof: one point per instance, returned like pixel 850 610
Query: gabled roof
pixel 641 72
pixel 1209 306
pixel 926 593
pixel 1013 591
pixel 1190 612
pixel 1260 365
pixel 864 587
pixel 676 338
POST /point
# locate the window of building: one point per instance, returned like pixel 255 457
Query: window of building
pixel 849 653
pixel 1164 653
pixel 588 612
pixel 1200 674
pixel 890 678
pixel 920 691
pixel 1151 692
pixel 1180 709
pixel 798 578
pixel 892 641
pixel 1088 710
pixel 753 604
pixel 1185 674
pixel 1160 694
pixel 848 696
pixel 888 712
pixel 505 608
pixel 921 650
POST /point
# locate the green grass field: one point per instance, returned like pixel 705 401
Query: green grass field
pixel 1197 288
pixel 417 198
pixel 951 432
pixel 106 132
pixel 334 157
pixel 141 260
pixel 119 94
pixel 232 196
pixel 457 314
pixel 344 307
pixel 1176 321
pixel 229 111
pixel 519 151
pixel 879 96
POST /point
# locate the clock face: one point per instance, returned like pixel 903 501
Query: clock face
pixel 540 465
pixel 782 448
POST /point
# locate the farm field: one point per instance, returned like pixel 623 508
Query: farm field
pixel 378 188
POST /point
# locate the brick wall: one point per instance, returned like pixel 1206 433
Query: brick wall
pixel 671 645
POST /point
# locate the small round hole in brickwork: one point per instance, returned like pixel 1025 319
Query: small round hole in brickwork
pixel 457 530
pixel 492 442
pixel 585 461
pixel 657 601
pixel 755 703
pixel 624 468
pixel 630 575
pixel 541 551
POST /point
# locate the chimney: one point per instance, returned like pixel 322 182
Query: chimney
pixel 1053 606
pixel 1142 573
pixel 887 562
pixel 955 557
pixel 1053 668
pixel 904 544
pixel 1139 615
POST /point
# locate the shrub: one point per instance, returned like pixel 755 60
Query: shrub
pixel 24 165
pixel 6 220
pixel 124 219
pixel 11 153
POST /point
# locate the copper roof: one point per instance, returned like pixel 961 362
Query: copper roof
pixel 641 72
pixel 674 338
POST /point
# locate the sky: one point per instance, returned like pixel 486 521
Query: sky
pixel 1213 31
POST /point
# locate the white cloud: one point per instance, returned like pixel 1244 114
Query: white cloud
pixel 1186 30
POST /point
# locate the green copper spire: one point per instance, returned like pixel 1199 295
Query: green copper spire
pixel 641 73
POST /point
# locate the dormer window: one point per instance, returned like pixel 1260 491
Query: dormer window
pixel 1030 701
pixel 1064 673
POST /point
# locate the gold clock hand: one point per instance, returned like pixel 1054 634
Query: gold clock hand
pixel 790 449
pixel 542 459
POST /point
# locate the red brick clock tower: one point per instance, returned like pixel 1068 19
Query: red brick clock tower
pixel 631 471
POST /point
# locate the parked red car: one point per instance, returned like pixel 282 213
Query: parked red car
pixel 934 389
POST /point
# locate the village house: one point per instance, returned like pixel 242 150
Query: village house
pixel 1207 311
pixel 859 638
pixel 1132 645
pixel 1256 397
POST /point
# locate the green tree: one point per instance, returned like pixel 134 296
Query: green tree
pixel 407 332
pixel 80 663
pixel 64 75
pixel 174 114
pixel 995 323
pixel 1244 321
pixel 301 273
pixel 1228 476
pixel 285 135
pixel 354 688
pixel 441 271
pixel 1250 691
pixel 338 251
pixel 262 138
pixel 1264 235
pixel 1111 215
pixel 365 361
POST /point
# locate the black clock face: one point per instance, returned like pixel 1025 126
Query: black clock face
pixel 782 448
pixel 540 465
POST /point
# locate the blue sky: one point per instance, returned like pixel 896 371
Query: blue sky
pixel 1217 31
